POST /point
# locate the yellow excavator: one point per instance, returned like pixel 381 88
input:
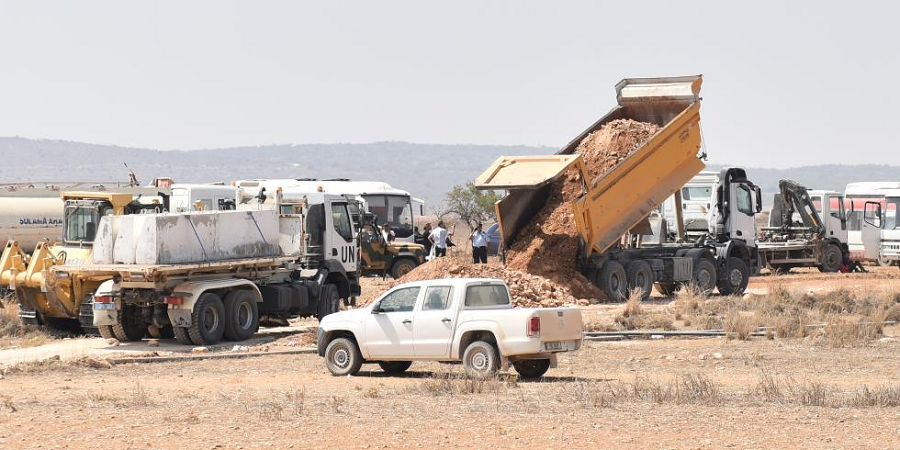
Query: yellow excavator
pixel 58 300
pixel 625 243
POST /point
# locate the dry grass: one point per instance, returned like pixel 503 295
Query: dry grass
pixel 634 316
pixel 740 326
pixel 785 390
pixel 14 333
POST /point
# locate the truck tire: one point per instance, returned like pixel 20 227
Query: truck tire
pixel 611 280
pixel 832 259
pixel 129 327
pixel 705 275
pixel 481 360
pixel 640 276
pixel 394 366
pixel 736 277
pixel 329 301
pixel 402 267
pixel 532 368
pixel 667 288
pixel 207 320
pixel 182 335
pixel 241 315
pixel 106 332
pixel 342 357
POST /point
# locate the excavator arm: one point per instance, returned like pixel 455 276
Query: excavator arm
pixel 795 198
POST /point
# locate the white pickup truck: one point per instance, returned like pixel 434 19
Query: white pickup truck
pixel 468 320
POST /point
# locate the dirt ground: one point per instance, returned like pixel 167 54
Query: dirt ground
pixel 709 393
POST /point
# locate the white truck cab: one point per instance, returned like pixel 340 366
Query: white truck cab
pixel 880 228
pixel 456 319
pixel 202 197
pixel 856 195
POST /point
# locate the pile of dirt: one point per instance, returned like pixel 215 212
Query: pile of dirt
pixel 525 289
pixel 547 246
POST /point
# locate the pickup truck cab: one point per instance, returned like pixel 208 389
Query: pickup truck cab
pixel 468 320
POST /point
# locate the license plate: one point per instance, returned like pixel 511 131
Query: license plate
pixel 104 306
pixel 553 346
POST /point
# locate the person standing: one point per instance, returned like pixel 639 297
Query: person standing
pixel 426 233
pixel 387 233
pixel 438 239
pixel 479 245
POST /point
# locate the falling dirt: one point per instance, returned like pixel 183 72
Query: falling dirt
pixel 547 246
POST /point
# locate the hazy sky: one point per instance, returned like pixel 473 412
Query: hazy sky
pixel 786 83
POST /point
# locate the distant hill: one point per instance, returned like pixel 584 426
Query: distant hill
pixel 426 170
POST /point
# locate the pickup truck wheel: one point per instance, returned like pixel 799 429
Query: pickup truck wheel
pixel 481 360
pixel 395 366
pixel 832 258
pixel 640 276
pixel 342 357
pixel 667 288
pixel 737 276
pixel 129 326
pixel 207 320
pixel 705 275
pixel 532 368
pixel 611 280
pixel 106 332
pixel 330 301
pixel 241 315
pixel 182 336
pixel 402 267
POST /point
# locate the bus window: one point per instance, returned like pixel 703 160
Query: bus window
pixel 395 210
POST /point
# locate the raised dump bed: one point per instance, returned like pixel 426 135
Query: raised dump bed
pixel 628 192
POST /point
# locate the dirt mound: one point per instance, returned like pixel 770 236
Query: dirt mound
pixel 526 290
pixel 547 246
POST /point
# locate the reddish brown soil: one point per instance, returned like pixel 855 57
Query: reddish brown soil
pixel 547 246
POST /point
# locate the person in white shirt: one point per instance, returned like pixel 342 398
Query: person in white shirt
pixel 479 245
pixel 438 238
pixel 387 233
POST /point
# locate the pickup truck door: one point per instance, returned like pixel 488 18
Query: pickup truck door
pixel 434 322
pixel 389 329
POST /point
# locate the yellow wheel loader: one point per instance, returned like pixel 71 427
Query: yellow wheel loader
pixel 57 299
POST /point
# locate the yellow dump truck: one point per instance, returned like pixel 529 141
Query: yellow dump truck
pixel 624 244
pixel 44 297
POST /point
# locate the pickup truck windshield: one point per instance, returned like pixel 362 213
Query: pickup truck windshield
pixel 487 295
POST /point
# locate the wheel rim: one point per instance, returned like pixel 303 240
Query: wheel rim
pixel 245 316
pixel 479 361
pixel 210 319
pixel 831 258
pixel 404 269
pixel 703 278
pixel 736 277
pixel 614 283
pixel 341 358
pixel 641 281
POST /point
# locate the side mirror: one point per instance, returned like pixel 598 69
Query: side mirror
pixel 758 191
pixel 377 309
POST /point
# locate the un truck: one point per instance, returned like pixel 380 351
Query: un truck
pixel 204 276
pixel 619 249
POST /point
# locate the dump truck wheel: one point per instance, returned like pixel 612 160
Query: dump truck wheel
pixel 330 301
pixel 667 288
pixel 395 366
pixel 611 280
pixel 832 258
pixel 532 368
pixel 342 357
pixel 705 275
pixel 241 315
pixel 481 360
pixel 402 267
pixel 207 320
pixel 129 327
pixel 640 276
pixel 736 277
pixel 182 336
pixel 106 332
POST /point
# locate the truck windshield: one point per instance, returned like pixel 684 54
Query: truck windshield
pixel 696 193
pixel 487 295
pixel 81 224
pixel 891 206
pixel 395 210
